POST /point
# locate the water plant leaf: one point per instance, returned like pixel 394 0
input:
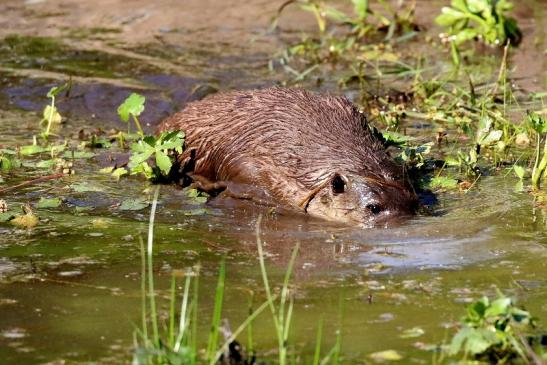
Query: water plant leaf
pixel 133 105
pixel 163 162
pixel 79 154
pixel 57 89
pixel 44 164
pixel 48 203
pixel 84 187
pixel 134 204
pixel 387 355
pixel 31 150
pixel 28 220
pixel 443 182
pixel 412 332
pixel 6 216
pixel 119 172
pixel 492 137
pixel 519 171
pixel 9 162
pixel 52 114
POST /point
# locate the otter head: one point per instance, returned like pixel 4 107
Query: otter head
pixel 360 200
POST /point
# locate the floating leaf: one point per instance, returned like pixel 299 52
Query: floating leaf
pixel 133 105
pixel 84 187
pixel 79 154
pixel 519 171
pixel 45 164
pixel 28 220
pixel 443 182
pixel 119 172
pixel 6 216
pixel 48 203
pixel 412 332
pixel 387 355
pixel 134 204
pixel 106 170
pixel 32 149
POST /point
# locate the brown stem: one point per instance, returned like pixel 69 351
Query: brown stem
pixel 33 181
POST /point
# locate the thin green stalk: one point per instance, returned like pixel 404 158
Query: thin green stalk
pixel 151 292
pixel 215 322
pixel 143 293
pixel 50 119
pixel 239 330
pixel 172 313
pixel 264 273
pixel 318 338
pixel 250 345
pixel 138 125
pixel 539 167
pixel 183 314
pixel 193 344
pixel 286 322
pixel 280 319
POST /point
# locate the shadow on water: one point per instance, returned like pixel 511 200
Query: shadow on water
pixel 70 287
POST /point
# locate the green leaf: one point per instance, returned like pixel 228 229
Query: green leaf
pixel 143 168
pixel 79 154
pixel 48 203
pixel 387 355
pixel 134 204
pixel 85 187
pixel 133 105
pixel 119 172
pixel 163 162
pixel 51 112
pixel 360 8
pixel 443 182
pixel 519 171
pixel 32 150
pixel 449 16
pixel 465 35
pixel 492 137
pixel 498 307
pixel 412 332
pixel 8 163
pixel 4 217
pixel 56 90
pixel 45 164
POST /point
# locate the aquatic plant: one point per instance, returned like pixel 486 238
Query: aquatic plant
pixel 480 19
pixel 539 125
pixel 497 331
pixel 132 107
pixel 179 344
pixel 51 115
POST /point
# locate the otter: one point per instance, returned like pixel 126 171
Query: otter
pixel 312 152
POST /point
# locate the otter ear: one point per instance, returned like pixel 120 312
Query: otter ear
pixel 338 183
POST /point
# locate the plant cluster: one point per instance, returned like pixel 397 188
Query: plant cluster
pixel 498 332
pixel 179 343
pixel 472 108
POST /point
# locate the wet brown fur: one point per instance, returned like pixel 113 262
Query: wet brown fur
pixel 288 141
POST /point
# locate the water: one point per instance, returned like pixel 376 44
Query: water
pixel 70 287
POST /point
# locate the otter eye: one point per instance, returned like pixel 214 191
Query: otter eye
pixel 374 209
pixel 338 184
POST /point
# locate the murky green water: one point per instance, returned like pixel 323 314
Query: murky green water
pixel 70 287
